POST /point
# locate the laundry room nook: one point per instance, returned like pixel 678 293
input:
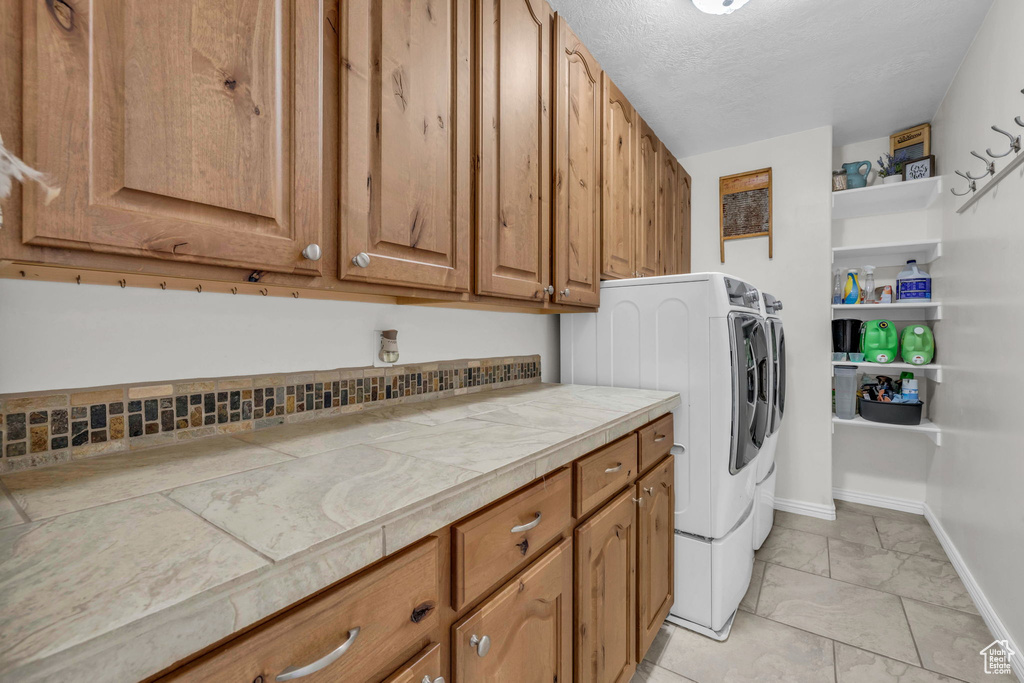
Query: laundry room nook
pixel 511 341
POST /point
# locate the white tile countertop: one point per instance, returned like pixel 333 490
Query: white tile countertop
pixel 132 562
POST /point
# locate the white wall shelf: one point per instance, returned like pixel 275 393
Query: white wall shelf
pixel 886 255
pixel 932 371
pixel 926 427
pixel 909 195
pixel 930 310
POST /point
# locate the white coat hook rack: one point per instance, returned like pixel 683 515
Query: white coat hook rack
pixel 971 187
pixel 1014 144
pixel 1015 162
pixel 990 168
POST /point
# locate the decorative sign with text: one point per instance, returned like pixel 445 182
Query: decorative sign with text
pixel 745 202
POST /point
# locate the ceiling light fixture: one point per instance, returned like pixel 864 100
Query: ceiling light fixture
pixel 719 6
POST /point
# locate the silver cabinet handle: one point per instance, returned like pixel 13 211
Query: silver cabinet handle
pixel 439 679
pixel 362 259
pixel 613 469
pixel 482 645
pixel 649 490
pixel 526 527
pixel 291 673
pixel 312 252
pixel 550 289
pixel 659 437
pixel 565 292
pixel 638 501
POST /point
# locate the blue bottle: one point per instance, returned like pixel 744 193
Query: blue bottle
pixel 913 284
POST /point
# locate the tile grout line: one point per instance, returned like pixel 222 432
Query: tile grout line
pixel 835 662
pixel 5 492
pixel 910 628
pixel 270 561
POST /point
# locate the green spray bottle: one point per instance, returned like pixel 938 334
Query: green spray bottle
pixel 917 345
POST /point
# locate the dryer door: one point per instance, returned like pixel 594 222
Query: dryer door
pixel 749 388
pixel 779 379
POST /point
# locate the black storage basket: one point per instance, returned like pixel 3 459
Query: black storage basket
pixel 891 413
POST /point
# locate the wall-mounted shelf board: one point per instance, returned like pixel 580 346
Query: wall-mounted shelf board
pixel 909 195
pixel 992 182
pixel 931 310
pixel 885 255
pixel 926 427
pixel 932 371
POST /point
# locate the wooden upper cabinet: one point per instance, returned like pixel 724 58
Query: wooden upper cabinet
pixel 618 169
pixel 649 228
pixel 406 185
pixel 187 130
pixel 514 148
pixel 576 229
pixel 669 215
pixel 684 220
pixel 656 553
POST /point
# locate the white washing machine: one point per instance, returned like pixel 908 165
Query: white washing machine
pixel 764 496
pixel 701 335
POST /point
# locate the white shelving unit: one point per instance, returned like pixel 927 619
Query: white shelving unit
pixel 909 195
pixel 929 310
pixel 932 371
pixel 926 427
pixel 885 255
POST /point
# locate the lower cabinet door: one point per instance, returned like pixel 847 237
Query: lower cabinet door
pixel 423 668
pixel 655 569
pixel 523 633
pixel 606 593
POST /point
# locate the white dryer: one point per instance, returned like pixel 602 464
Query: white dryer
pixel 764 497
pixel 701 335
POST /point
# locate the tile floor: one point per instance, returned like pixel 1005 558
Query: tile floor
pixel 868 598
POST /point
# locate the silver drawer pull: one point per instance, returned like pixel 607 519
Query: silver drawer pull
pixel 613 469
pixel 439 679
pixel 482 644
pixel 649 490
pixel 525 527
pixel 291 673
pixel 659 437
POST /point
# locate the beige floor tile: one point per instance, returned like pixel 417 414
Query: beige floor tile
pixel 911 576
pixel 873 511
pixel 749 602
pixel 661 642
pixel 848 526
pixel 905 537
pixel 950 641
pixel 756 650
pixel 646 672
pixel 859 616
pixel 854 665
pixel 796 549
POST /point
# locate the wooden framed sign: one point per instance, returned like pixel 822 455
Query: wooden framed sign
pixel 915 142
pixel 745 207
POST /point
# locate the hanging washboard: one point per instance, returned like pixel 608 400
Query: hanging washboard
pixel 745 207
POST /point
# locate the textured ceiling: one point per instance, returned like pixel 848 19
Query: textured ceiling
pixel 867 67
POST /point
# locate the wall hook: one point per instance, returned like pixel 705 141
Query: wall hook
pixel 123 283
pixel 234 290
pixel 163 285
pixel 199 288
pixel 1019 121
pixel 970 188
pixel 990 168
pixel 295 294
pixel 78 279
pixel 264 291
pixel 1014 144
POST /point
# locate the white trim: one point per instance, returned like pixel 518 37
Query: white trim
pixel 800 507
pixel 887 502
pixel 988 613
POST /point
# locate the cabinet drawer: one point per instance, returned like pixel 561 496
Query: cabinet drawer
pixel 601 475
pixel 655 441
pixel 383 616
pixel 426 666
pixel 503 538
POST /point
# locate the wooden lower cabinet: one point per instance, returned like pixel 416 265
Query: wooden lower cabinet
pixel 524 631
pixel 423 668
pixel 606 594
pixel 655 550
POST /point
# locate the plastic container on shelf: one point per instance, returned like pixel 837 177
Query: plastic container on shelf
pixel 846 391
pixel 913 284
pixel 889 413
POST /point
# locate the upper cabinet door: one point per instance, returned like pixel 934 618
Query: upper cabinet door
pixel 685 192
pixel 669 214
pixel 188 130
pixel 648 234
pixel 576 231
pixel 618 207
pixel 406 143
pixel 514 166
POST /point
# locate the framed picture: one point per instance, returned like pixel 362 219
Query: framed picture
pixel 745 207
pixel 915 142
pixel 838 181
pixel 916 169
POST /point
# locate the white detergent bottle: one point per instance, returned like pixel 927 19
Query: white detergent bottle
pixel 913 284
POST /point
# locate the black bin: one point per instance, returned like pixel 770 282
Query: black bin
pixel 891 413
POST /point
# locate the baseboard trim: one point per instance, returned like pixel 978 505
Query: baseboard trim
pixel 888 502
pixel 800 507
pixel 988 613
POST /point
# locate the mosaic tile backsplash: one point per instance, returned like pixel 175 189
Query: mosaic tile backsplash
pixel 53 427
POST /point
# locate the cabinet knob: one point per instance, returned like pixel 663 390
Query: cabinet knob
pixel 482 644
pixel 638 501
pixel 565 292
pixel 312 252
pixel 426 679
pixel 649 490
pixel 362 259
pixel 550 289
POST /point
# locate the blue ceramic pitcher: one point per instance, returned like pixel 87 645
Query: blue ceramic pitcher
pixel 853 176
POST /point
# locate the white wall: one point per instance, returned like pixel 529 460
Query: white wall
pixel 976 482
pixel 57 336
pixel 799 275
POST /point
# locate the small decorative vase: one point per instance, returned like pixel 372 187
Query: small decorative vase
pixel 890 179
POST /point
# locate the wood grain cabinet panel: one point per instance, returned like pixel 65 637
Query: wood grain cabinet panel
pixel 527 626
pixel 656 556
pixel 618 175
pixel 605 583
pixel 424 667
pixel 514 164
pixel 187 130
pixel 603 473
pixel 576 230
pixel 406 143
pixel 656 439
pixel 650 224
pixel 684 220
pixel 669 214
